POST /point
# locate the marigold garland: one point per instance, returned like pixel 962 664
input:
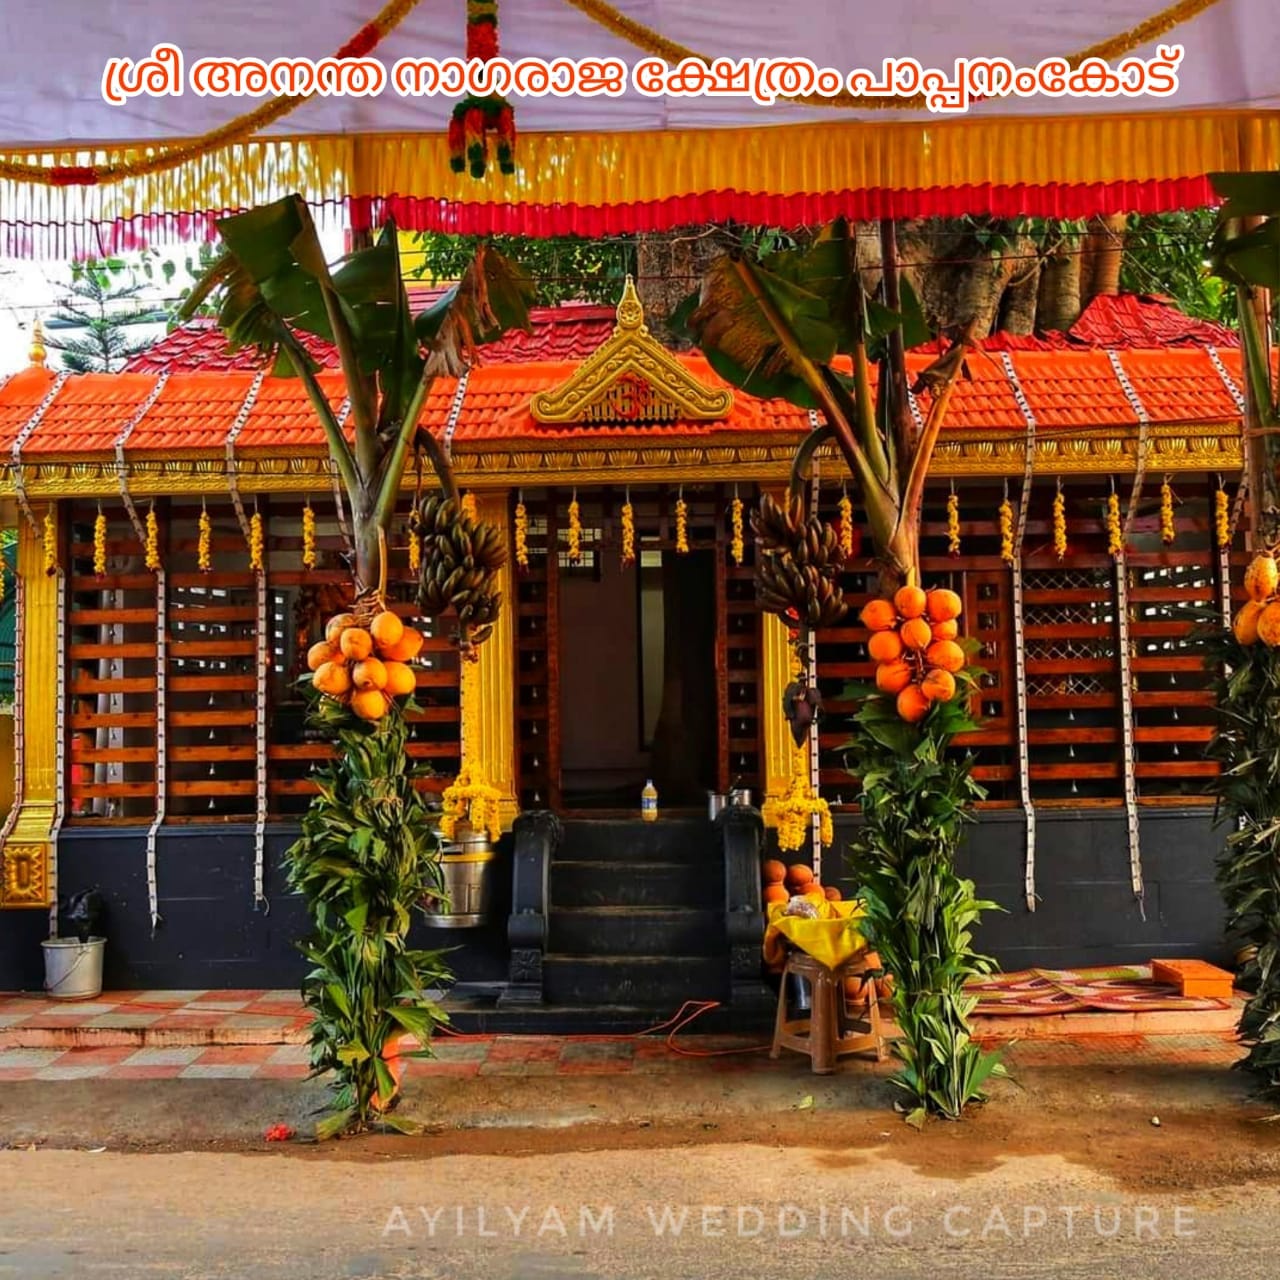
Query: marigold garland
pixel 474 118
pixel 953 524
pixel 575 531
pixel 415 551
pixel 1167 532
pixel 470 797
pixel 1005 516
pixel 737 542
pixel 204 544
pixel 50 543
pixel 100 544
pixel 846 526
pixel 682 527
pixel 628 534
pixel 1221 518
pixel 1115 541
pixel 469 506
pixel 1060 524
pixel 792 811
pixel 256 542
pixel 152 558
pixel 522 535
pixel 309 537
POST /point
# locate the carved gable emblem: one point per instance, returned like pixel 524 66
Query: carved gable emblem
pixel 631 379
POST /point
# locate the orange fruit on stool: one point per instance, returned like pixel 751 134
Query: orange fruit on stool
pixel 939 685
pixel 369 704
pixel 947 630
pixel 799 877
pixel 945 654
pixel 885 646
pixel 913 705
pixel 831 893
pixel 893 677
pixel 773 871
pixel 356 644
pixel 386 629
pixel 942 605
pixel 775 893
pixel 400 679
pixel 878 615
pixel 916 634
pixel 910 601
pixel 337 625
pixel 320 653
pixel 406 648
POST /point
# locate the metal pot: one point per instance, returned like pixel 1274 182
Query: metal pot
pixel 716 802
pixel 740 797
pixel 469 866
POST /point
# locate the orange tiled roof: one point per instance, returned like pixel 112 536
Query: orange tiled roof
pixel 1066 388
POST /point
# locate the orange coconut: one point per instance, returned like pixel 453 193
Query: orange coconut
pixel 947 630
pixel 775 893
pixel 332 678
pixel 939 685
pixel 337 625
pixel 943 605
pixel 945 654
pixel 916 634
pixel 1246 623
pixel 356 644
pixel 910 601
pixel 405 649
pixel 799 877
pixel 369 704
pixel 878 615
pixel 773 871
pixel 387 630
pixel 320 653
pixel 912 704
pixel 893 677
pixel 400 680
pixel 885 646
pixel 369 674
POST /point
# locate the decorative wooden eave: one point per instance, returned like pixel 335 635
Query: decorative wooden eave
pixel 631 378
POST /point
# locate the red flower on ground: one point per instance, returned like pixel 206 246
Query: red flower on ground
pixel 278 1133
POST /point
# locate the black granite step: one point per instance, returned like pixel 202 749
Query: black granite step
pixel 633 840
pixel 607 883
pixel 625 930
pixel 659 982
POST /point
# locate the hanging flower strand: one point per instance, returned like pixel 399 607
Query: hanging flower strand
pixel 1005 516
pixel 100 543
pixel 475 117
pixel 1221 517
pixel 415 550
pixel 1060 523
pixel 737 542
pixel 256 542
pixel 1115 542
pixel 469 506
pixel 50 543
pixel 153 541
pixel 628 533
pixel 204 544
pixel 682 525
pixel 953 523
pixel 309 537
pixel 575 530
pixel 522 533
pixel 846 526
pixel 1167 531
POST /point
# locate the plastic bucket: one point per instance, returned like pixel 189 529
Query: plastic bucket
pixel 73 969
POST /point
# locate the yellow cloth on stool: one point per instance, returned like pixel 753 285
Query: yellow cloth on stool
pixel 831 938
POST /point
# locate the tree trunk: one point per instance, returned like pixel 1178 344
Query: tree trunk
pixel 1018 305
pixel 669 267
pixel 1104 257
pixel 1058 306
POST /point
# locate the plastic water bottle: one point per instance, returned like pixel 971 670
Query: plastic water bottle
pixel 649 802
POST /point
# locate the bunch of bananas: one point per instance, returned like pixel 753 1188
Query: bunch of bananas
pixel 460 560
pixel 798 570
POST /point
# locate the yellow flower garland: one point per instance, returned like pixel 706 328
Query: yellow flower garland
pixel 792 811
pixel 737 543
pixel 522 535
pixel 1221 518
pixel 1005 516
pixel 628 534
pixel 100 544
pixel 153 541
pixel 1115 542
pixel 309 537
pixel 50 543
pixel 575 531
pixel 256 542
pixel 469 506
pixel 846 526
pixel 1167 531
pixel 1060 524
pixel 415 551
pixel 204 558
pixel 953 524
pixel 682 527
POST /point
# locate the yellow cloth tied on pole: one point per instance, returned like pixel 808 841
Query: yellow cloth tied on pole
pixel 831 937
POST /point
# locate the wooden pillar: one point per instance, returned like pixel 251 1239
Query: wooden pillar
pixel 496 685
pixel 27 854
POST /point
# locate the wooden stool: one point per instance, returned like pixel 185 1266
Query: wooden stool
pixel 825 1034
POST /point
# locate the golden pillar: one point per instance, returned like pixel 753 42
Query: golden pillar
pixel 496 748
pixel 777 656
pixel 27 851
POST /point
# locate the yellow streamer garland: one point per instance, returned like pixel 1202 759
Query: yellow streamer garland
pixel 415 551
pixel 522 535
pixel 846 527
pixel 1221 518
pixel 1167 532
pixel 682 527
pixel 737 543
pixel 953 524
pixel 256 542
pixel 575 532
pixel 469 506
pixel 1005 516
pixel 100 544
pixel 241 127
pixel 153 541
pixel 470 797
pixel 655 43
pixel 1060 524
pixel 628 535
pixel 50 543
pixel 792 811
pixel 309 538
pixel 204 544
pixel 1115 543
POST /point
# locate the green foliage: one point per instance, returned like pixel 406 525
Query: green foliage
pixel 91 325
pixel 366 856
pixel 916 798
pixel 1246 684
pixel 1164 253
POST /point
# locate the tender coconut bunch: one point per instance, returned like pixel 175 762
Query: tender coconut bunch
pixel 1259 616
pixel 365 667
pixel 913 642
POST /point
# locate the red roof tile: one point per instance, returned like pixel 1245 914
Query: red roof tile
pixel 1146 320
